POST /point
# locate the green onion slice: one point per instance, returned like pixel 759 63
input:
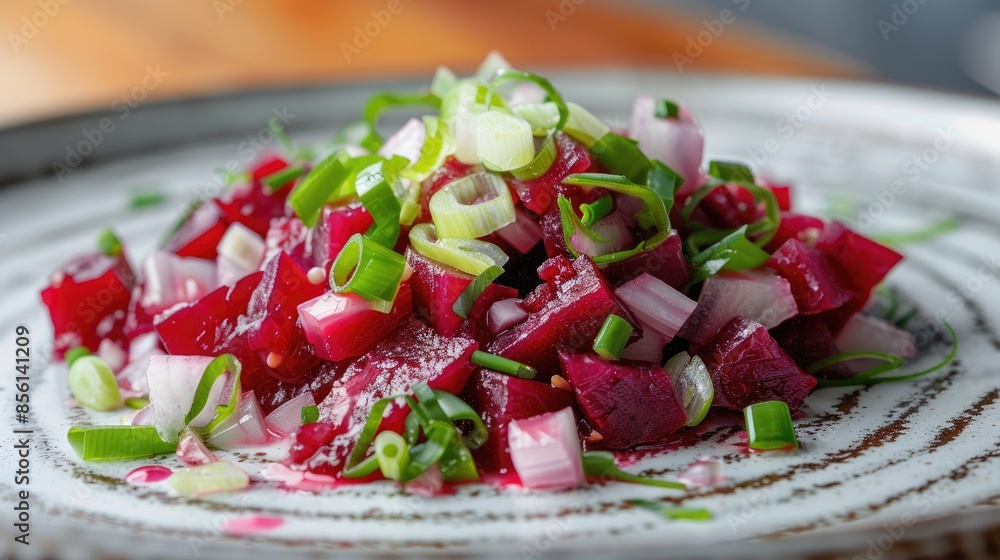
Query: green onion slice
pixel 275 181
pixel 874 376
pixel 508 75
pixel 622 156
pixel 444 81
pixel 147 199
pixel 593 212
pixel 380 190
pixel 666 109
pixel 75 354
pixel 359 464
pixel 380 102
pixel 612 338
pixel 136 403
pixel 504 142
pixel 463 305
pixel 370 270
pixel 653 205
pixel 393 455
pixel 665 182
pixel 769 426
pixel 106 443
pixel 543 117
pixel 450 408
pixel 539 164
pixel 438 145
pixel 473 206
pixel 732 252
pixel 674 513
pixel 730 172
pixel 503 365
pixel 109 244
pixel 226 363
pixel 692 385
pixel 471 256
pixel 93 384
pixel 761 231
pixel 220 476
pixel 601 464
pixel 584 127
pixel 310 414
pixel 322 184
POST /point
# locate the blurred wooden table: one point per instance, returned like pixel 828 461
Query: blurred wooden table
pixel 66 55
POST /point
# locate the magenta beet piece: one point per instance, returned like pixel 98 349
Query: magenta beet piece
pixel 811 276
pixel 863 262
pixel 500 398
pixel 341 326
pixel 805 339
pixel 665 262
pixel 538 194
pixel 748 367
pixel 436 288
pixel 267 167
pixel 572 318
pixel 272 393
pixel 271 324
pixel 806 229
pixel 88 299
pixel 628 403
pixel 759 295
pixel 253 204
pixel 727 207
pixel 414 353
pixel 200 234
pixel 291 236
pixel 337 223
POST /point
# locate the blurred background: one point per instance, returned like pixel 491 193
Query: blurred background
pixel 69 55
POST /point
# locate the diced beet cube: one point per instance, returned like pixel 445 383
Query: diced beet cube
pixel 665 261
pixel 572 318
pixel 337 223
pixel 500 398
pixel 783 194
pixel 863 262
pixel 88 299
pixel 200 233
pixel 759 295
pixel 414 353
pixel 341 326
pixel 748 367
pixel 291 236
pixel 538 194
pixel 436 288
pixel 727 207
pixel 267 167
pixel 812 278
pixel 271 324
pixel 628 403
pixel 805 339
pixel 272 393
pixel 253 204
pixel 806 229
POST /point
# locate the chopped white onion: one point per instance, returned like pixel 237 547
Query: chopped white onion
pixel 706 472
pixel 241 252
pixel 113 354
pixel 169 280
pixel 758 295
pixel 504 314
pixel 141 417
pixel 523 234
pixel 657 304
pixel 863 333
pixel 192 451
pixel 173 382
pixel 545 450
pixel 286 419
pixel 406 142
pixel 679 142
pixel 244 427
pixel 649 347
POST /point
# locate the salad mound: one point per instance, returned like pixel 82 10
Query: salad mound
pixel 504 286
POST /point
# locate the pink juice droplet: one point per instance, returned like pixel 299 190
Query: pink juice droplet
pixel 705 472
pixel 253 524
pixel 150 474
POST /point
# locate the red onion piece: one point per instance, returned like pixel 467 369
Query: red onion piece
pixel 545 450
pixel 653 302
pixel 286 419
pixel 504 314
pixel 679 142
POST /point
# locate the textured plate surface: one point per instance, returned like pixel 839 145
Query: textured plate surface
pixel 887 470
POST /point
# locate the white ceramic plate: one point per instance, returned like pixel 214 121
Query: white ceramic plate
pixel 884 472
